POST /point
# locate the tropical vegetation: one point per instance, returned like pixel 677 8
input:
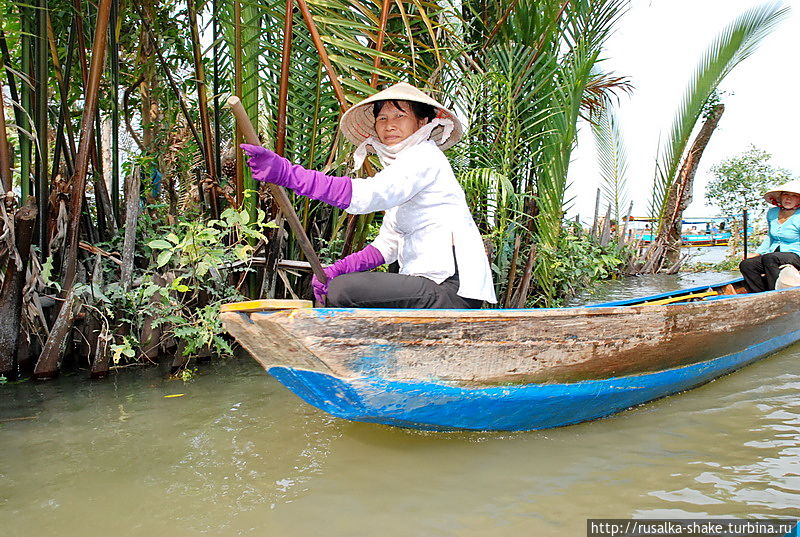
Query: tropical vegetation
pixel 739 183
pixel 131 216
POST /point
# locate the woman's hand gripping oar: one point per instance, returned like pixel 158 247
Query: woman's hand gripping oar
pixel 251 137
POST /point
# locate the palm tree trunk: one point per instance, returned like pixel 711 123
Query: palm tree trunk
pixel 49 361
pixel 668 241
pixel 13 284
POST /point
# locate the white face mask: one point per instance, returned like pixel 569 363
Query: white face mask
pixel 388 153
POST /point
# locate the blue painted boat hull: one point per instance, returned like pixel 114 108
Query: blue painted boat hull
pixel 515 369
pixel 437 406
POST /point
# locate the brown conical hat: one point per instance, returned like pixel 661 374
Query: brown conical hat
pixel 774 196
pixel 358 123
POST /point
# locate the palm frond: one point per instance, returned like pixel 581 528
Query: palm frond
pixel 612 160
pixel 736 42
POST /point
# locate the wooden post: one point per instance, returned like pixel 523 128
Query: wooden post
pixel 596 213
pixel 512 272
pixel 605 235
pixel 150 340
pixel 50 359
pixel 625 225
pixel 527 274
pixel 744 231
pixel 132 185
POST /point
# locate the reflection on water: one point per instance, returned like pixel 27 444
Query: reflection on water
pixel 648 284
pixel 240 455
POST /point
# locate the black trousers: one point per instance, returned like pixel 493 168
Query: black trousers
pixel 761 272
pixel 389 290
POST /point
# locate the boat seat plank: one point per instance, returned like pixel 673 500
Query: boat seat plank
pixel 268 304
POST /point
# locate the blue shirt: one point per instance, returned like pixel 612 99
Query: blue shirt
pixel 786 235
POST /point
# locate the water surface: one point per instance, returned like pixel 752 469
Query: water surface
pixel 238 454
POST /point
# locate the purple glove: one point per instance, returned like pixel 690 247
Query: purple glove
pixel 366 259
pixel 272 168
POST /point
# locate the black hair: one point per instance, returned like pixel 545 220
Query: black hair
pixel 421 110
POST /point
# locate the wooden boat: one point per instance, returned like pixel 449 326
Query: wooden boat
pixel 696 239
pixel 522 369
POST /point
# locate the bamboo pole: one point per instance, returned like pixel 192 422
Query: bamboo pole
pixel 379 42
pixel 87 130
pixel 25 96
pixel 323 54
pixel 251 137
pixel 5 156
pixel 114 46
pixel 216 83
pixel 62 144
pixel 42 73
pixel 283 92
pixel 202 98
pixel 237 89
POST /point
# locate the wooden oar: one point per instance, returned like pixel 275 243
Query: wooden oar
pixel 251 137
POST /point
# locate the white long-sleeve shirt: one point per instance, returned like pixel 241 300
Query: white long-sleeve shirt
pixel 426 216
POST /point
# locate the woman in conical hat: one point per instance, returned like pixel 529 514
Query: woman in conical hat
pixel 427 226
pixel 781 246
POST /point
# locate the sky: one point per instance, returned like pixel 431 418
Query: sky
pixel 658 44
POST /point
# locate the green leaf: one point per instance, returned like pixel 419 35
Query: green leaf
pixel 47 270
pixel 159 244
pixel 243 251
pixel 163 258
pixel 202 269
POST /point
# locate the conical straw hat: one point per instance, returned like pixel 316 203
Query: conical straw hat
pixel 774 196
pixel 358 123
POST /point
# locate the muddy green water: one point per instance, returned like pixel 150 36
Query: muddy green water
pixel 240 455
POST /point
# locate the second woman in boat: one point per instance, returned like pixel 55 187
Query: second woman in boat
pixel 427 227
pixel 781 246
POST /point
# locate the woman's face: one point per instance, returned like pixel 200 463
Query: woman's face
pixel 394 125
pixel 790 200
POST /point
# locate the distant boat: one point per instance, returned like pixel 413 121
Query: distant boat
pixel 512 369
pixel 713 234
pixel 696 239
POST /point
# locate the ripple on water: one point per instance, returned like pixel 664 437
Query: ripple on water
pixel 240 455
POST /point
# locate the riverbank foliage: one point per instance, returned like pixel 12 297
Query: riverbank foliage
pixel 148 218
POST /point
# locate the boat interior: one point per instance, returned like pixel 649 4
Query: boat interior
pixel 703 293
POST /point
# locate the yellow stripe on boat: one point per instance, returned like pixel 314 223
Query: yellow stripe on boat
pixel 266 305
pixel 681 298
